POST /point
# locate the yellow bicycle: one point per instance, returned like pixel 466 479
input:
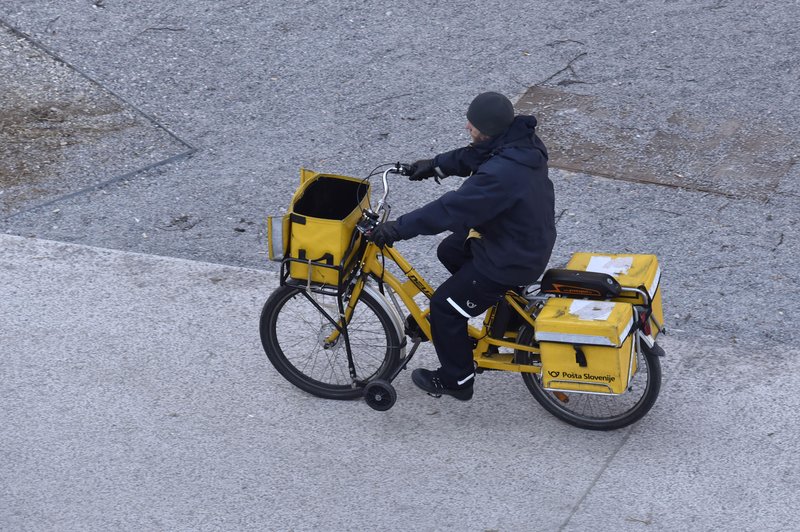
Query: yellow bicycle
pixel 339 325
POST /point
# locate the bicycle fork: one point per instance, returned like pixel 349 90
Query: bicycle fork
pixel 340 329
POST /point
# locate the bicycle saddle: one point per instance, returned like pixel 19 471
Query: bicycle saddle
pixel 577 283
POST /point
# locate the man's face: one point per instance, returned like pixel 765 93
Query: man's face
pixel 475 133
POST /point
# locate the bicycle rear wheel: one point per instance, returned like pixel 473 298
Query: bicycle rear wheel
pixel 293 333
pixel 600 412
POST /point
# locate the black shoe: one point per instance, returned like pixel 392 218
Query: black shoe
pixel 431 382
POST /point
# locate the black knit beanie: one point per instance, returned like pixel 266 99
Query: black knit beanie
pixel 491 113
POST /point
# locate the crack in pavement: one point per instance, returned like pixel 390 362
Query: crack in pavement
pixel 189 148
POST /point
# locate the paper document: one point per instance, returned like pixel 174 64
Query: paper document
pixel 610 265
pixel 591 310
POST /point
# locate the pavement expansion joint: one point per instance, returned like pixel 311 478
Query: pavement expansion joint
pixel 597 477
pixel 92 188
pixel 70 127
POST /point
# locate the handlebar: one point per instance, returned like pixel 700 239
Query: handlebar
pixel 399 168
pixel 381 212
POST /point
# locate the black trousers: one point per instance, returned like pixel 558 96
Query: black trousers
pixel 466 294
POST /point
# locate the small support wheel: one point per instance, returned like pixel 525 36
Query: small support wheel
pixel 380 395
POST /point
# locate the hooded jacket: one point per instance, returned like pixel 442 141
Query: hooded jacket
pixel 508 198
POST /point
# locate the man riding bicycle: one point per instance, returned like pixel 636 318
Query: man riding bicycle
pixel 503 231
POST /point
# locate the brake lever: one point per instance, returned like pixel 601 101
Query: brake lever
pixel 403 169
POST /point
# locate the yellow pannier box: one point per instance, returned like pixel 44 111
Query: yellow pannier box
pixel 319 229
pixel 631 270
pixel 586 346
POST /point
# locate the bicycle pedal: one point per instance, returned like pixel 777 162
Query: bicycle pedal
pixel 413 330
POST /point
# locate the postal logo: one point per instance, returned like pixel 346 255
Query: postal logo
pixel 554 374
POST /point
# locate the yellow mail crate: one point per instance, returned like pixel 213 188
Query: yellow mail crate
pixel 636 271
pixel 586 346
pixel 320 227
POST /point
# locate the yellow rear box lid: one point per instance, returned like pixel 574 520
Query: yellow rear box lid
pixel 583 321
pixel 629 269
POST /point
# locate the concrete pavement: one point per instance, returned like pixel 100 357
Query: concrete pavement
pixel 136 396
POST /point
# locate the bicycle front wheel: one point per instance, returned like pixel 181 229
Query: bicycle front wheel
pixel 601 412
pixel 294 332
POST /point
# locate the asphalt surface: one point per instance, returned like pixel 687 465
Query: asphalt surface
pixel 173 129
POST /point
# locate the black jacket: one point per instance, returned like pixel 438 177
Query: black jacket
pixel 508 198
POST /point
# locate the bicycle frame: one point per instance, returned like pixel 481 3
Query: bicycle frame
pixel 373 266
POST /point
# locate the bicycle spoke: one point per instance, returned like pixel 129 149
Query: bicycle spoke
pixel 307 341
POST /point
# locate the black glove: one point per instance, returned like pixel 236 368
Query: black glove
pixel 421 170
pixel 384 234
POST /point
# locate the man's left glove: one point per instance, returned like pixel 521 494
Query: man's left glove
pixel 421 170
pixel 384 234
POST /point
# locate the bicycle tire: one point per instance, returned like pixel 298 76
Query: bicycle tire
pixel 601 412
pixel 292 331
